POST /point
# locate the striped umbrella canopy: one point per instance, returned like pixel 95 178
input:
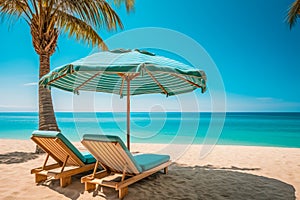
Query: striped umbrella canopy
pixel 126 72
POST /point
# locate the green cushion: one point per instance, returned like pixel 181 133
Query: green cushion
pixel 111 138
pixel 55 134
pixel 89 158
pixel 149 161
pixel 142 162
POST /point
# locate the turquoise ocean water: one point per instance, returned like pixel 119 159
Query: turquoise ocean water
pixel 259 129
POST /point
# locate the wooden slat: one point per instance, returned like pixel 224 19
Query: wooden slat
pixel 117 161
pixel 95 169
pixel 49 167
pixel 51 145
pixel 92 149
pixel 68 164
pixel 104 154
pixel 73 156
pixel 102 178
pixel 108 156
pixel 74 171
pixel 131 166
pixel 38 142
pixel 63 151
pixel 43 172
pixel 45 162
pixel 57 150
pixel 112 155
pixel 98 175
pixel 123 160
pixel 110 184
pixel 65 163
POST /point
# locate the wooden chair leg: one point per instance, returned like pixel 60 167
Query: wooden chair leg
pixel 89 186
pixel 166 170
pixel 123 192
pixel 39 178
pixel 65 181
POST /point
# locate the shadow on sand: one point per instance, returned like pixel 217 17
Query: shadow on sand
pixel 17 157
pixel 229 168
pixel 183 182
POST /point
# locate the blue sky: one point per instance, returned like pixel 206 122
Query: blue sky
pixel 256 54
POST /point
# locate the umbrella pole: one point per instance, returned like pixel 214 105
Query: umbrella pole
pixel 128 114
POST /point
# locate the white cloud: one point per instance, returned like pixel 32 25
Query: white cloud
pixel 30 84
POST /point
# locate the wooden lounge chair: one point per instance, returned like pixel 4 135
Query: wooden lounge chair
pixel 69 160
pixel 119 163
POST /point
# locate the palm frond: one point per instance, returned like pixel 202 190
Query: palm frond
pixel 73 26
pixel 35 7
pixel 294 13
pixel 128 3
pixel 14 8
pixel 79 18
pixel 97 13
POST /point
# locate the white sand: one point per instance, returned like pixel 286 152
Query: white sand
pixel 228 172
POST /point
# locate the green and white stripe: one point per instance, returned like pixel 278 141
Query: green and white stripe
pixel 108 71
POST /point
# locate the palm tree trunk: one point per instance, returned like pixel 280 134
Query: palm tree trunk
pixel 47 120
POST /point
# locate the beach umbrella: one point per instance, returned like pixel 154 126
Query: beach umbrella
pixel 126 73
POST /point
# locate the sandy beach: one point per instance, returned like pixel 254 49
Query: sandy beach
pixel 228 172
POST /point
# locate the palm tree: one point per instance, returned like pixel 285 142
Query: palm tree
pixel 294 13
pixel 48 19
